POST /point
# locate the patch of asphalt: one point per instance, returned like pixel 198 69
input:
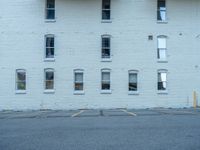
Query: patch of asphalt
pixel 61 113
pixel 89 113
pixel 116 112
pixel 36 114
pixel 144 112
pixel 97 113
pixel 175 111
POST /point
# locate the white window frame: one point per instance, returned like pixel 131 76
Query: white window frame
pixel 20 91
pixel 78 92
pixel 45 80
pixel 162 91
pixel 106 59
pixel 106 91
pixel 45 56
pixel 159 11
pixel 49 9
pixel 130 91
pixel 161 49
pixel 104 9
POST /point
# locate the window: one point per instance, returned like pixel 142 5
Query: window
pixel 49 79
pixel 162 47
pixel 50 9
pixel 49 52
pixel 78 80
pixel 106 8
pixel 105 79
pixel 133 81
pixel 105 52
pixel 161 10
pixel 162 80
pixel 21 80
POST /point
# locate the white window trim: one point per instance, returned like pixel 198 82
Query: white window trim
pixel 134 92
pixel 110 58
pixel 106 20
pixel 18 91
pixel 45 39
pixel 49 90
pixel 106 70
pixel 160 60
pixel 79 92
pixel 50 20
pixel 163 91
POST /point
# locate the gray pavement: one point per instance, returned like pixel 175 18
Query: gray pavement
pixel 115 129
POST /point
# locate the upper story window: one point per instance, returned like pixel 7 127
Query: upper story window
pixel 162 48
pixel 50 9
pixel 106 50
pixel 133 81
pixel 78 80
pixel 105 80
pixel 161 10
pixel 49 50
pixel 49 79
pixel 20 80
pixel 106 9
pixel 162 80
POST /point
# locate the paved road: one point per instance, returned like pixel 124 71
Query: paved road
pixel 87 130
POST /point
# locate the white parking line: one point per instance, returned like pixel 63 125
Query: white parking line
pixel 130 113
pixel 78 113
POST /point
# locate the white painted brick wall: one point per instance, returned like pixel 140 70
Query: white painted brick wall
pixel 77 30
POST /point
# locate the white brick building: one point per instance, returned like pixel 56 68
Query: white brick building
pixel 123 53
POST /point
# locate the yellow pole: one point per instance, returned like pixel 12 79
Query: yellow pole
pixel 194 99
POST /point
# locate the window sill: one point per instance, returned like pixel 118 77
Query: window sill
pixel 163 92
pixel 49 91
pixel 49 59
pixel 106 21
pixel 106 91
pixel 133 93
pixel 162 61
pixel 106 60
pixel 162 22
pixel 79 93
pixel 50 20
pixel 20 92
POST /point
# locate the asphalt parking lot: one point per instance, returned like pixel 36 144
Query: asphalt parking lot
pixel 114 129
pixel 96 113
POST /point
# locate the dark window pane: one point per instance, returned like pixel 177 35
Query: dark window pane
pixel 105 42
pixel 158 54
pixel 78 86
pixel 161 3
pixel 106 4
pixel 161 85
pixel 50 42
pixel 106 15
pixel 159 15
pixel 105 86
pixel 105 53
pixel 21 76
pixel 50 3
pixel 49 85
pixel 21 86
pixel 132 86
pixel 49 75
pixel 78 77
pixel 50 14
pixel 49 52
